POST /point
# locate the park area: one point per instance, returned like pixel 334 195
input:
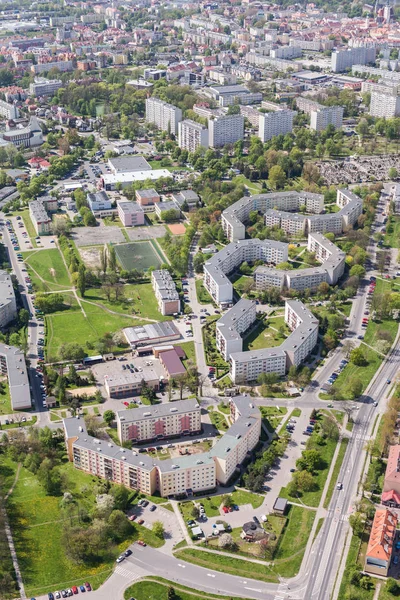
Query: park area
pixel 138 255
pixel 47 270
pixel 266 334
pixel 38 524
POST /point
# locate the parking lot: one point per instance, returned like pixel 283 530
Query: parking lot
pixel 137 234
pixel 96 236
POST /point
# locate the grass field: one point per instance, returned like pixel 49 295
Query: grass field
pixel 75 327
pixel 49 266
pixel 188 347
pixel 313 498
pixel 202 295
pixel 372 334
pixel 336 471
pixel 157 589
pixel 264 335
pixel 138 255
pixel 241 497
pixel 5 400
pixel 38 528
pixel 392 237
pixel 139 300
pixel 365 373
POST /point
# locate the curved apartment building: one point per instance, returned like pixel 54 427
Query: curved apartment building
pixel 280 209
pixel 217 268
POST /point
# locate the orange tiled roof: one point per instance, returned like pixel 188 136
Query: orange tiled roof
pixel 382 536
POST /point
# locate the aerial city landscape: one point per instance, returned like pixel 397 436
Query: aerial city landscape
pixel 199 300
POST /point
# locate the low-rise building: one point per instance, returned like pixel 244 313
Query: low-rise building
pixel 99 201
pixel 166 293
pixel 130 383
pixel 147 198
pixel 160 421
pixel 131 214
pixel 188 197
pixel 381 543
pixel 151 334
pixel 40 218
pixel 391 484
pixel 165 207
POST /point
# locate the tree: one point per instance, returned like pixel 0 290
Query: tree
pixel 119 526
pixel 158 529
pixel 195 513
pixel 112 259
pixel 357 357
pixel 393 174
pixel 329 428
pixel 109 417
pixel 305 481
pixel 312 459
pixel 354 388
pixel 357 271
pixel 323 288
pixel 81 283
pixel 171 595
pixel 357 523
pixel 276 177
pixel 226 541
pixel 23 317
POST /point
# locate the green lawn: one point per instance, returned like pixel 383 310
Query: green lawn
pixel 30 229
pixel 264 336
pixel 292 544
pixel 38 528
pixel 392 236
pixel 218 420
pixel 376 329
pixel 139 299
pixel 365 373
pixel 254 187
pixel 68 327
pixel 239 283
pixel 157 589
pixel 228 564
pixel 5 400
pixel 326 452
pixel 242 497
pixel 347 589
pixel 203 296
pixel 50 268
pixel 189 350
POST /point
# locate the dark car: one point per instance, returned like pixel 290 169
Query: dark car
pixel 152 508
pixel 82 588
pixel 50 596
pixel 255 519
pixel 128 552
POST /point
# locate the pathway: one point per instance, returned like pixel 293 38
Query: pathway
pixel 10 539
pixel 181 522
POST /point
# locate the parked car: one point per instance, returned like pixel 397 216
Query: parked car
pixel 120 558
pixel 142 543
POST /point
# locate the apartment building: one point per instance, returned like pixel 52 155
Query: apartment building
pixel 381 543
pixel 323 116
pixel 164 115
pixel 160 421
pixel 131 214
pixel 311 44
pixel 62 65
pixel 8 305
pixel 268 62
pixel 192 135
pixel 40 218
pixel 331 257
pixel 391 484
pixel 184 475
pixel 385 103
pixel 247 366
pixel 44 87
pixel 225 130
pixel 286 52
pixel 166 293
pixel 224 262
pixel 306 105
pixel 8 111
pixel 12 365
pixel 345 59
pixel 275 123
pixel 234 217
pixel 232 325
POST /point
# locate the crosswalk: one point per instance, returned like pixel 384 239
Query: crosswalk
pixel 126 573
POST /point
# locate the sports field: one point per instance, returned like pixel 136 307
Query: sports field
pixel 138 255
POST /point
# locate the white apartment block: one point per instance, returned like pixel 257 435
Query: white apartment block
pixel 306 104
pixel 171 477
pixel 224 262
pixel 275 123
pixel 385 104
pixel 61 65
pixel 246 366
pixel 232 325
pixel 9 111
pixel 191 135
pixel 276 64
pixel 225 130
pixel 234 217
pixel 8 305
pixel 313 45
pixel 40 219
pixel 159 421
pixel 345 59
pixel 286 52
pixel 165 291
pixel 331 257
pixel 44 87
pixel 385 74
pixel 323 116
pixel 164 115
pixel 13 365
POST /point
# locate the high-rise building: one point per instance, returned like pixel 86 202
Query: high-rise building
pixel 345 59
pixel 191 135
pixel 322 116
pixel 225 130
pixel 164 115
pixel 9 111
pixel 275 123
pixel 385 101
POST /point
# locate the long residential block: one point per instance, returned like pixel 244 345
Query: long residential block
pixel 184 475
pixel 12 364
pixel 164 115
pixel 8 304
pixel 165 291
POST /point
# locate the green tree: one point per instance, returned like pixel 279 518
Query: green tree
pixel 112 259
pixel 109 417
pixel 158 529
pixel 357 357
pixel 276 177
pixel 357 523
pixel 81 283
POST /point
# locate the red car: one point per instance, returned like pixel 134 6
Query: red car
pixel 132 517
pixel 126 403
pixel 142 543
pixel 140 522
pixel 74 589
pixel 225 509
